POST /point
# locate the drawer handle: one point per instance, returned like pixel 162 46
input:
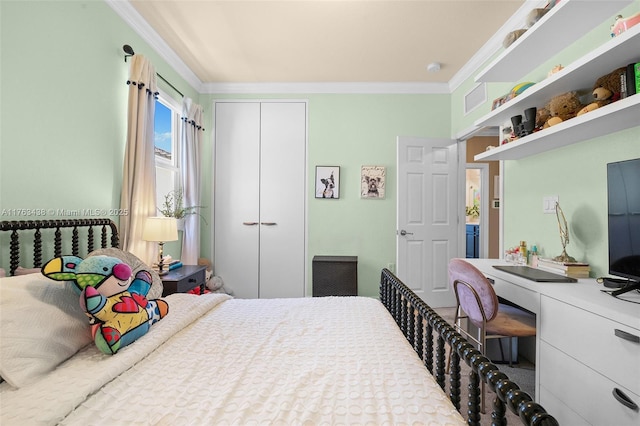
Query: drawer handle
pixel 268 223
pixel 624 399
pixel 627 336
pixel 249 223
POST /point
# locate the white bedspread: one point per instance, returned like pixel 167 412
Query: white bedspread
pixel 311 361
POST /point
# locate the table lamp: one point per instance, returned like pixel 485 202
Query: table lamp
pixel 161 230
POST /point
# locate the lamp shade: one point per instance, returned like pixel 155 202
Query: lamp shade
pixel 160 229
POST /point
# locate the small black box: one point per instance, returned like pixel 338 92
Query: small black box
pixel 335 276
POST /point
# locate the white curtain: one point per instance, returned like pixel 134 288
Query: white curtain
pixel 191 139
pixel 139 177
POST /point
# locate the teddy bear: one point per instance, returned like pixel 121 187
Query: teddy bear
pixel 606 90
pixel 114 301
pixel 563 107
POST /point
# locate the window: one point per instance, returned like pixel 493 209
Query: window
pixel 167 153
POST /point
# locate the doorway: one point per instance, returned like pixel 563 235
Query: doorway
pixel 476 210
pixel 490 218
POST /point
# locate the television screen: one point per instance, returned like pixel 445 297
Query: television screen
pixel 623 193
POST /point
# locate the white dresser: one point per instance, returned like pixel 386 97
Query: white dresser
pixel 587 347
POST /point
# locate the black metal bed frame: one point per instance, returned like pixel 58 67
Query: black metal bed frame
pixel 58 225
pixel 418 323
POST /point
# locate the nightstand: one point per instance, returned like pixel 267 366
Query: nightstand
pixel 184 279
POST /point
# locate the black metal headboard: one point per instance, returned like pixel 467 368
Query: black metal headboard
pixel 21 228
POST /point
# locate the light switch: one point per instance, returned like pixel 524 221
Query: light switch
pixel 549 204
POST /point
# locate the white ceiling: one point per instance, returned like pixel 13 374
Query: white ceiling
pixel 219 42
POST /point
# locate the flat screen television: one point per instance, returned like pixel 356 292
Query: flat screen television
pixel 623 197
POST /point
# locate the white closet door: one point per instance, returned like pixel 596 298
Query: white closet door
pixel 282 195
pixel 259 192
pixel 237 194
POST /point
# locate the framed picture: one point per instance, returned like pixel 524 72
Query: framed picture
pixel 328 182
pixel 373 181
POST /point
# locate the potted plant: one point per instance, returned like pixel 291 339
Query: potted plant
pixel 173 206
pixel 473 211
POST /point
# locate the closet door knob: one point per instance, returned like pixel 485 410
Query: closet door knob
pixel 268 223
pixel 249 223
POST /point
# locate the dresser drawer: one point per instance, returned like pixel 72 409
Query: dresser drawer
pixel 582 390
pixel 593 340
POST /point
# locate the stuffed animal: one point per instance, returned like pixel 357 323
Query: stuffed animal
pixel 116 304
pixel 532 17
pixel 542 116
pixel 563 107
pixel 535 15
pixel 510 38
pixel 606 90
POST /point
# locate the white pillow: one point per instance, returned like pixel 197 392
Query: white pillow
pixel 41 324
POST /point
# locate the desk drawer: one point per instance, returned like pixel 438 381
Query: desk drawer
pixel 584 391
pixel 592 340
pixel 514 293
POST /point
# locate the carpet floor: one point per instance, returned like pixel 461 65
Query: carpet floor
pixel 522 373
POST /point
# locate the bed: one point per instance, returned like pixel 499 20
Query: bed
pixel 218 360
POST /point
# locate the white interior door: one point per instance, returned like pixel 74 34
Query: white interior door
pixel 282 200
pixel 428 230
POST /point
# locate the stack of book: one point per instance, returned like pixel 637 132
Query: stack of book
pixel 568 269
pixel 169 265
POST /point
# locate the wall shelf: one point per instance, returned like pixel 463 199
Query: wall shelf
pixel 549 36
pixel 614 117
pixel 580 76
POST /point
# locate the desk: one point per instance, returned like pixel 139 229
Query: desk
pixel 586 346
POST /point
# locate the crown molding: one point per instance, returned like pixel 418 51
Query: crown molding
pixel 131 16
pixel 326 88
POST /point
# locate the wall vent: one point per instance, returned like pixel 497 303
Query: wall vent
pixel 475 97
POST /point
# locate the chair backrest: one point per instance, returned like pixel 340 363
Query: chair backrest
pixel 461 271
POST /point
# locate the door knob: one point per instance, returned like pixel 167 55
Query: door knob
pixel 403 232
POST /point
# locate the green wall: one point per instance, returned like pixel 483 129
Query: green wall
pixel 63 125
pixel 63 107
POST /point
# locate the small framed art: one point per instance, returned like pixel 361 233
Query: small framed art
pixel 373 181
pixel 328 182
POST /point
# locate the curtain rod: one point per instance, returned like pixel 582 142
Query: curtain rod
pixel 170 85
pixel 128 50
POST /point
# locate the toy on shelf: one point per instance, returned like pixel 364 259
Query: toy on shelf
pixel 523 128
pixel 607 89
pixel 554 70
pixel 563 107
pixel 623 24
pixel 515 91
pixel 532 17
